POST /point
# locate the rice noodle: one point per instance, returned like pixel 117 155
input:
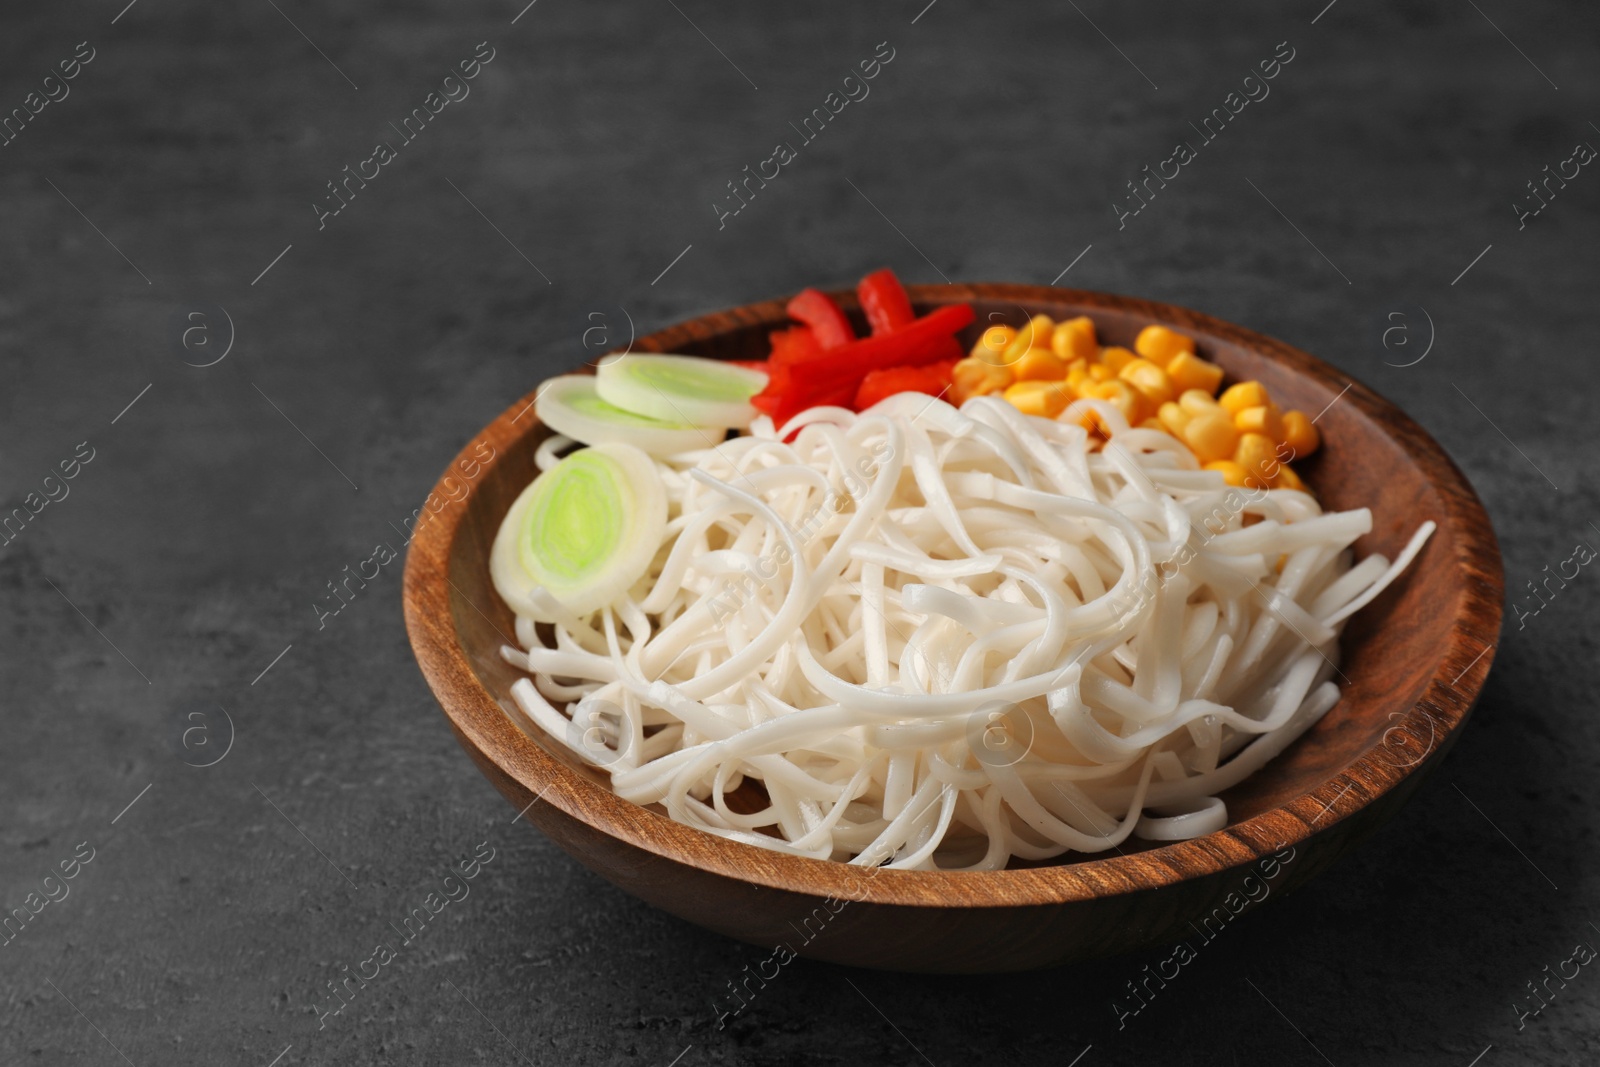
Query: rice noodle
pixel 947 639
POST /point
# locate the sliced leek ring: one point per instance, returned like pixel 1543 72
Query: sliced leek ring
pixel 691 389
pixel 571 405
pixel 581 535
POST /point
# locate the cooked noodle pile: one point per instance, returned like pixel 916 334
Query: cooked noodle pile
pixel 938 638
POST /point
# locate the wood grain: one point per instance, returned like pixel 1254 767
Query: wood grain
pixel 1413 663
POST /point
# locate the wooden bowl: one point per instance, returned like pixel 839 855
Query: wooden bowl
pixel 1416 659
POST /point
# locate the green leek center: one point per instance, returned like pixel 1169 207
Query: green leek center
pixel 685 379
pixel 575 520
pixel 590 404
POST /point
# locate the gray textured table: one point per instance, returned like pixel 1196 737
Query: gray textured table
pixel 163 202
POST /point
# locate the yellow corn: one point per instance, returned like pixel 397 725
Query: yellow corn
pixel 976 376
pixel 1039 363
pixel 991 346
pixel 1231 472
pixel 1074 339
pixel 1299 433
pixel 1197 402
pixel 1243 395
pixel 1116 357
pixel 1263 420
pixel 1160 384
pixel 1036 334
pixel 1159 344
pixel 1173 419
pixel 1211 437
pixel 1149 379
pixel 1091 420
pixel 1038 397
pixel 1189 371
pixel 1257 454
pixel 1288 479
pixel 1126 399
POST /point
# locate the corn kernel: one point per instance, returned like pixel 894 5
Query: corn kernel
pixel 1197 402
pixel 1173 419
pixel 1039 363
pixel 1090 420
pixel 992 344
pixel 1189 371
pixel 1300 434
pixel 1038 397
pixel 1287 479
pixel 975 376
pixel 1243 395
pixel 1263 420
pixel 1211 437
pixel 1101 373
pixel 1116 357
pixel 1077 376
pixel 1159 344
pixel 1231 472
pixel 1074 339
pixel 1257 454
pixel 1151 424
pixel 1149 379
pixel 1095 423
pixel 1036 334
pixel 1128 400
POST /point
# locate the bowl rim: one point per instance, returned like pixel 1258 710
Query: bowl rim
pixel 1447 699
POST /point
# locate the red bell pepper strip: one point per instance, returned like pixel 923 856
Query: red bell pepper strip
pixel 776 398
pixel 783 401
pixel 842 398
pixel 931 378
pixel 949 349
pixel 923 341
pixel 820 313
pixel 794 344
pixel 796 385
pixel 884 301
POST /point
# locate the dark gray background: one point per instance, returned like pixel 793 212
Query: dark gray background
pixel 192 548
